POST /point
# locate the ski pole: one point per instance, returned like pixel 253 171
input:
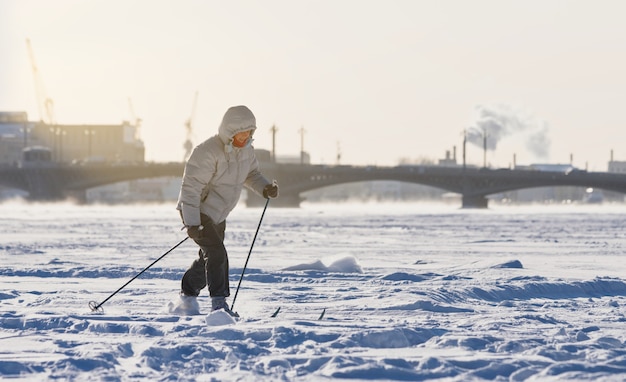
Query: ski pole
pixel 95 307
pixel 249 252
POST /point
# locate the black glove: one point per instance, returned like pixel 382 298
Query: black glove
pixel 270 191
pixel 194 231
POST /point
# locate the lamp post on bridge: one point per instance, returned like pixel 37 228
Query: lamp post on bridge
pixel 302 131
pixel 274 130
pixel 338 153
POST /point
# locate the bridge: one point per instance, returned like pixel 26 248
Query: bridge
pixel 56 182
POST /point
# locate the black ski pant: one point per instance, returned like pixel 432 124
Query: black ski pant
pixel 211 266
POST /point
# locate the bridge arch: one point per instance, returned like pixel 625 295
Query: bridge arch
pixel 472 183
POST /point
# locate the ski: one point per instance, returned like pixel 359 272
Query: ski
pixel 275 313
pixel 322 315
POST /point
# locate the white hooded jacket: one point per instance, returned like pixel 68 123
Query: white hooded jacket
pixel 217 171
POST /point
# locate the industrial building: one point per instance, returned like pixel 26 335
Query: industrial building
pixel 75 144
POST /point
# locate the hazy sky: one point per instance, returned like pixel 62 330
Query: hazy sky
pixel 381 80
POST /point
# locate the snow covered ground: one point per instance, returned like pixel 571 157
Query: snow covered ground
pixel 410 292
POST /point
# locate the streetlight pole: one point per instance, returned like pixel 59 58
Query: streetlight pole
pixel 274 130
pixel 302 131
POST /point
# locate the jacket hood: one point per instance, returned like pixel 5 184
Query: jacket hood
pixel 236 120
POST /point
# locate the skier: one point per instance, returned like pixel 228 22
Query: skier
pixel 214 176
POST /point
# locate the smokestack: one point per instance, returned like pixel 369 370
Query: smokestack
pixel 571 159
pixel 611 155
pixel 501 121
pixel 485 148
pixel 514 160
pixel 454 153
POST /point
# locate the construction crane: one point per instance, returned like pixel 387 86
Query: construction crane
pixel 188 145
pixel 45 105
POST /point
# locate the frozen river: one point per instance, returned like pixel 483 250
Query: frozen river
pixel 410 292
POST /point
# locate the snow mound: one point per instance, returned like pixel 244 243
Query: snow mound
pixel 510 264
pixel 430 307
pixel 219 318
pixel 314 266
pixel 337 264
pixel 403 276
pixel 184 306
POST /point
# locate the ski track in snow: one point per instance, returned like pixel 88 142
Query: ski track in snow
pixel 409 291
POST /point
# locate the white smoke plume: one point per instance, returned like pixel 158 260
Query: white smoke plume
pixel 500 121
